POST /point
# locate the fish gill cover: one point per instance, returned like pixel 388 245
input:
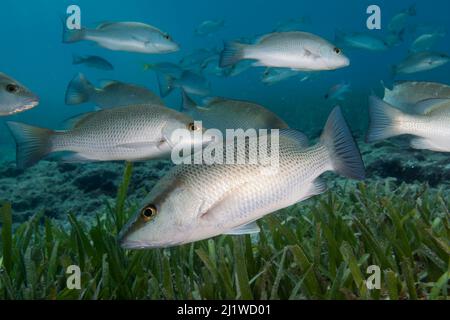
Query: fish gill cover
pixel 92 94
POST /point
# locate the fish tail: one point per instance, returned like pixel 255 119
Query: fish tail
pixel 165 84
pixel 383 122
pixel 231 54
pixel 187 104
pixel 32 143
pixel 78 90
pixel 342 149
pixel 70 36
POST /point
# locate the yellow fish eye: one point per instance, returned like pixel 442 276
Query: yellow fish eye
pixel 149 212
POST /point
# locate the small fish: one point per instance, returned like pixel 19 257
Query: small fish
pixel 132 133
pixel 125 36
pixel 399 22
pixel 93 62
pixel 196 202
pixel 208 27
pixel 294 24
pixel 195 59
pixel 426 41
pixel 275 75
pixel 189 81
pixel 111 94
pixel 429 123
pixel 238 68
pixel 211 67
pixel 361 41
pixel 338 91
pixel 406 94
pixel 295 50
pixel 15 97
pixel 168 68
pixel 421 61
pixel 394 39
pixel 222 114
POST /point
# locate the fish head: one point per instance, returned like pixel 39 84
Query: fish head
pixel 332 57
pixel 167 217
pixel 164 43
pixel 15 97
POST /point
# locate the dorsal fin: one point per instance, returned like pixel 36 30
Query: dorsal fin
pixel 77 120
pixel 428 105
pixel 187 104
pixel 296 136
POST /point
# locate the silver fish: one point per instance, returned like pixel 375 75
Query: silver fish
pixel 429 123
pixel 112 93
pixel 295 50
pixel 338 91
pixel 361 41
pixel 93 62
pixel 222 114
pixel 294 24
pixel 131 133
pixel 125 36
pixel 195 202
pixel 209 26
pixel 426 41
pixel 15 97
pixel 167 68
pixel 189 81
pixel 399 22
pixel 275 75
pixel 421 61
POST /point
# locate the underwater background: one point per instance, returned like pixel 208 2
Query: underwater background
pixel 33 52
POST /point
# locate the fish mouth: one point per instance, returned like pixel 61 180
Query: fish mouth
pixel 30 104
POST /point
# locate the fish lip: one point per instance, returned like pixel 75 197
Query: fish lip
pixel 31 103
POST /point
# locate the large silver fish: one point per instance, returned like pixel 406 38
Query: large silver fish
pixel 111 94
pixel 15 97
pixel 295 50
pixel 125 36
pixel 131 133
pixel 195 202
pixel 429 123
pixel 421 61
pixel 222 114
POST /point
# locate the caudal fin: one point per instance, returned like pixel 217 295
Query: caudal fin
pixel 343 151
pixel 187 104
pixel 232 53
pixel 165 84
pixel 383 122
pixel 70 36
pixel 32 143
pixel 78 90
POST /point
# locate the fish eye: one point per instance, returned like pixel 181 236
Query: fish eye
pixel 167 37
pixel 192 127
pixel 149 212
pixel 337 50
pixel 12 88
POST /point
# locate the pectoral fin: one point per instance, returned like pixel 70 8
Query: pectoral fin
pixel 249 228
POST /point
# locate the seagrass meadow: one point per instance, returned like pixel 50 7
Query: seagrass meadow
pixel 319 249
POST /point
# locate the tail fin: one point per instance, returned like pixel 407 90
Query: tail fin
pixel 32 143
pixel 383 120
pixel 232 53
pixel 78 90
pixel 187 104
pixel 70 36
pixel 344 153
pixel 165 84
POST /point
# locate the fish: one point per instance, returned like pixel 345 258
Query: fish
pixel 421 61
pixel 111 94
pixel 189 81
pixel 195 59
pixel 209 26
pixel 168 68
pixel 15 97
pixel 275 75
pixel 425 41
pixel 293 24
pixel 361 40
pixel 93 62
pixel 196 202
pixel 221 113
pixel 125 36
pixel 338 91
pixel 131 133
pixel 406 94
pixel 238 68
pixel 294 50
pixel 429 123
pixel 399 22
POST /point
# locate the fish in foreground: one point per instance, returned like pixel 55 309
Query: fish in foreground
pixel 295 50
pixel 209 26
pixel 338 91
pixel 131 133
pixel 189 81
pixel 15 97
pixel 222 114
pixel 112 93
pixel 421 61
pixel 429 122
pixel 406 94
pixel 93 62
pixel 361 41
pixel 125 36
pixel 196 202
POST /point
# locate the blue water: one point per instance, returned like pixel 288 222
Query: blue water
pixel 33 53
